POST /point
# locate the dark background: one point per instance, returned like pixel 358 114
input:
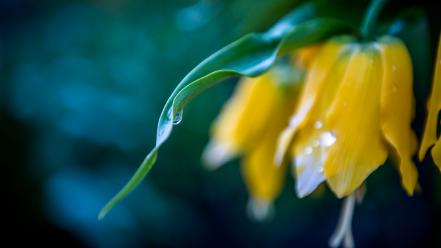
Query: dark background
pixel 82 85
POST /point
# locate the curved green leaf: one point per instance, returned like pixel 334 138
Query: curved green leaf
pixel 249 56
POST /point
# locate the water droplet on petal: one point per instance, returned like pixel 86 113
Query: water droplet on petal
pixel 308 150
pixel 318 124
pixel 327 139
pixel 316 143
pixel 394 88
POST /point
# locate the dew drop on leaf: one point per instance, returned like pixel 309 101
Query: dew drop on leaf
pixel 178 117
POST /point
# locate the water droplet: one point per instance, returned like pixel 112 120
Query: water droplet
pixel 345 104
pixel 327 139
pixel 316 143
pixel 394 88
pixel 318 124
pixel 178 117
pixel 394 68
pixel 308 150
pixel 321 170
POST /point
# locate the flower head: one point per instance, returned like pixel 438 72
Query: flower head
pixel 356 108
pixel 249 126
pixel 433 107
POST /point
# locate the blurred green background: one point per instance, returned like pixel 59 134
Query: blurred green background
pixel 82 86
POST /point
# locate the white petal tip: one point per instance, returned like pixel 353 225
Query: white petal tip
pixel 278 159
pixel 215 155
pixel 301 193
pixel 305 190
pixel 308 180
pixel 260 210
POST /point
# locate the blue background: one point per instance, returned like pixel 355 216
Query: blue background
pixel 82 85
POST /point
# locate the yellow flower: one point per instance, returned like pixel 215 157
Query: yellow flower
pixel 249 126
pixel 433 107
pixel 355 109
pixel 303 58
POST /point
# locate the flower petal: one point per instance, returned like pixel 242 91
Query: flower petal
pixel 397 107
pixel 262 176
pixel 433 107
pixel 436 152
pixel 308 162
pixel 304 57
pixel 242 119
pixel 315 79
pixel 313 140
pixel 354 119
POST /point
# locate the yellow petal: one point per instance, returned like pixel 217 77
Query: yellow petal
pixel 304 57
pixel 397 107
pixel 262 176
pixel 436 152
pixel 315 79
pixel 354 119
pixel 312 142
pixel 308 161
pixel 242 119
pixel 433 107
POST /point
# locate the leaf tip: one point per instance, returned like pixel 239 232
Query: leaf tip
pixel 105 210
pixel 101 215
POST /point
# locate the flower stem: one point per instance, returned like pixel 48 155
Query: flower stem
pixel 370 18
pixel 343 232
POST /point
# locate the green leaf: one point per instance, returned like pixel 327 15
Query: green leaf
pixel 249 56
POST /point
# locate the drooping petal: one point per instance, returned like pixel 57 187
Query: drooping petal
pixel 263 178
pixel 354 120
pixel 433 107
pixel 315 79
pixel 397 107
pixel 242 120
pixel 311 144
pixel 436 153
pixel 308 162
